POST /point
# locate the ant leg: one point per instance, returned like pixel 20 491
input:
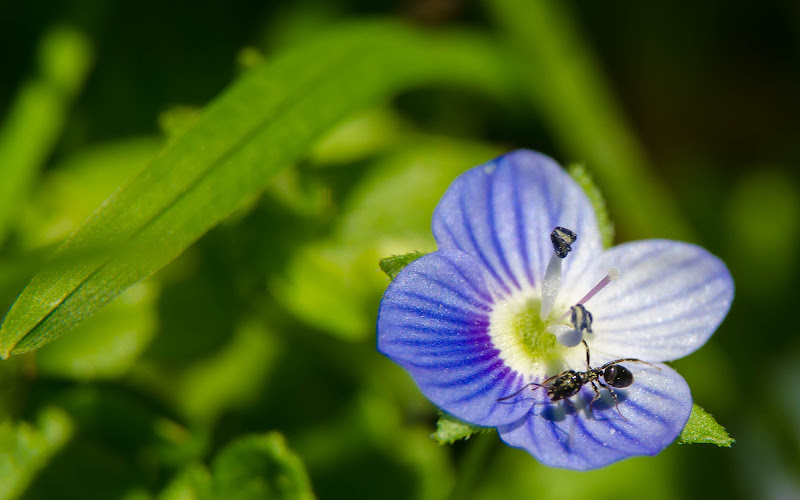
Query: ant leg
pixel 613 395
pixel 588 364
pixel 596 395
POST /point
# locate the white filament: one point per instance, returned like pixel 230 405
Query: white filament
pixel 611 276
pixel 550 285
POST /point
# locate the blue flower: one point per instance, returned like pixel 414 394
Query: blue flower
pixel 485 323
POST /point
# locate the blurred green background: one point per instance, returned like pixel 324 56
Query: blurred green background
pixel 246 367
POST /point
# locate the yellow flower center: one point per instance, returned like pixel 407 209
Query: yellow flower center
pixel 519 332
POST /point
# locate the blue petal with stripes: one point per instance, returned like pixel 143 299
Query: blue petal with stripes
pixel 466 321
pixel 434 321
pixel 575 434
pixel 503 212
pixel 669 300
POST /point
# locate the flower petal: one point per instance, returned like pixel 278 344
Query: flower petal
pixel 434 321
pixel 503 212
pixel 668 300
pixel 575 435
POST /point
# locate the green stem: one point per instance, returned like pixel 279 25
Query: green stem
pixel 473 464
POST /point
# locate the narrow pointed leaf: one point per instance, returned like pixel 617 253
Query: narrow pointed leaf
pixel 264 122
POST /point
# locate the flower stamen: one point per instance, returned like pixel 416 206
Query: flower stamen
pixel 611 276
pixel 562 239
pixel 581 318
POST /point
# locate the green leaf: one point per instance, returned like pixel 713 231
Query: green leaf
pixel 25 449
pixel 702 428
pixel 582 177
pixel 394 264
pixel 37 115
pixel 192 483
pixel 260 466
pixel 388 210
pixel 177 120
pixel 70 191
pixel 305 288
pixel 230 379
pixel 262 123
pixel 449 429
pixel 108 344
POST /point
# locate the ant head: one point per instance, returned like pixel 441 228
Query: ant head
pixel 618 376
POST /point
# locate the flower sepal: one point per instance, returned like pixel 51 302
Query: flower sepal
pixel 449 429
pixel 703 428
pixel 394 264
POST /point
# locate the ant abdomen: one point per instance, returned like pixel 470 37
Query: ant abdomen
pixel 618 376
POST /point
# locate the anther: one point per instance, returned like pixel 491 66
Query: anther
pixel 562 239
pixel 581 318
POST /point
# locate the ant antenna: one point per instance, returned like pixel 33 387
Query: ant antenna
pixel 504 398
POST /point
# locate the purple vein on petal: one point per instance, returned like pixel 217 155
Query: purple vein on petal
pixel 454 343
pixel 618 432
pixel 490 187
pixel 615 332
pixel 655 280
pixel 655 392
pixel 427 301
pixel 468 281
pixel 475 302
pixel 651 415
pixel 519 219
pixel 663 301
pixel 464 379
pixel 438 316
pixel 485 387
pixel 477 250
pixel 577 421
pixel 479 359
pixel 554 429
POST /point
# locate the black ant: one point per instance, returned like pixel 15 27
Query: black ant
pixel 568 383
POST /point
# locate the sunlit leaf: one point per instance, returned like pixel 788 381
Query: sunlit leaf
pixel 192 483
pixel 72 189
pixel 334 283
pixel 232 377
pixel 262 123
pixel 34 121
pixel 107 344
pixel 260 466
pixel 25 449
pixel 324 285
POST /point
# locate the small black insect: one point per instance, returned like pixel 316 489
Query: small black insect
pixel 568 383
pixel 562 239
